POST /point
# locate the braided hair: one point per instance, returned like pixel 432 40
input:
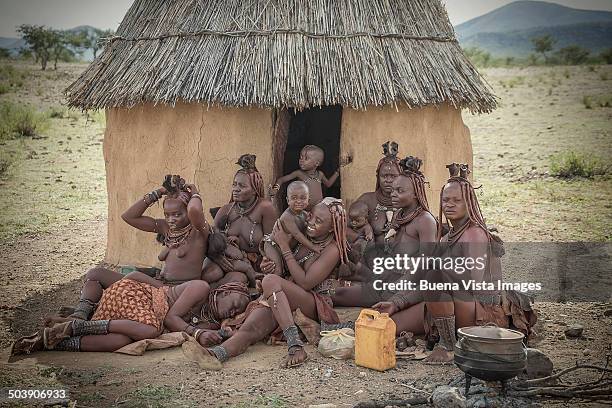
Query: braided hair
pixel 175 186
pixel 247 162
pixel 231 287
pixel 458 174
pixel 339 225
pixel 390 150
pixel 411 167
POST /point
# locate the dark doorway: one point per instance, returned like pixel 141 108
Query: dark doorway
pixel 315 126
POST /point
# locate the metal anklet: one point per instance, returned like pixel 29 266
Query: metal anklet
pixel 220 353
pixel 86 327
pixel 292 336
pixel 84 309
pixel 69 344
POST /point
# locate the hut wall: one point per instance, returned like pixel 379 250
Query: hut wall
pixel 435 134
pixel 200 143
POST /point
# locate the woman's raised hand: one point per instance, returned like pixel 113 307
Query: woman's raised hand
pixel 191 188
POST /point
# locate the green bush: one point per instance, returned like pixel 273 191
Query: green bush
pixel 4 88
pixel 572 164
pixel 20 121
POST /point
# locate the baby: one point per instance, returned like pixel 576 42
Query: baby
pixel 311 157
pixel 293 221
pixel 218 245
pixel 359 227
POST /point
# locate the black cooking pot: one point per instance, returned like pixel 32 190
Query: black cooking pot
pixel 490 353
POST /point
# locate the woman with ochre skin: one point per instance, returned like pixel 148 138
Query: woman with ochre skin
pixel 183 231
pixel 245 219
pixel 445 310
pixel 412 231
pixel 139 307
pixel 308 289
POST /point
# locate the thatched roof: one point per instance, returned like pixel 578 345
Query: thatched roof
pixel 283 53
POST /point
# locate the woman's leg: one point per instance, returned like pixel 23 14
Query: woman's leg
pixel 284 297
pixel 352 296
pixel 259 324
pixel 410 319
pixel 96 280
pixel 465 313
pixel 108 342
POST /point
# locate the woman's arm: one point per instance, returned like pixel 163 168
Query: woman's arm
pixel 189 295
pixel 317 272
pixel 134 215
pixel 427 230
pixel 195 211
pixel 291 227
pixel 269 215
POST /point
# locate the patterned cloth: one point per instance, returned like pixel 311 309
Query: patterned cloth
pixel 128 299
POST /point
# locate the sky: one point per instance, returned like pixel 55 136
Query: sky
pixel 63 14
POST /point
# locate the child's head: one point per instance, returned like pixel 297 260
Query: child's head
pixel 311 157
pixel 358 214
pixel 217 242
pixel 297 196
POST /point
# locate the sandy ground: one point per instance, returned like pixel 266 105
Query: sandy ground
pixel 43 264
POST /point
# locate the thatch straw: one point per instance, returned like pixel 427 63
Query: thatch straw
pixel 283 53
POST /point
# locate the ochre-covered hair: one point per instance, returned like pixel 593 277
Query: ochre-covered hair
pixel 390 150
pixel 338 213
pixel 411 167
pixel 231 287
pixel 458 174
pixel 247 162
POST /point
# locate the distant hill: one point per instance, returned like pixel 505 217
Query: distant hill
pixel 507 31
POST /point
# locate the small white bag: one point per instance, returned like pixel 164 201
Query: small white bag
pixel 338 344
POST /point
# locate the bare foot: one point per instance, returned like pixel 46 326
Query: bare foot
pixel 58 332
pixel 296 357
pixel 440 355
pixel 28 344
pixel 310 328
pixel 66 311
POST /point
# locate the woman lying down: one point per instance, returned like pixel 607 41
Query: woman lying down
pixel 139 307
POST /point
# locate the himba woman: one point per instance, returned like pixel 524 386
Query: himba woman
pixel 139 307
pixel 307 290
pixel 245 220
pixel 444 311
pixel 412 231
pixel 183 232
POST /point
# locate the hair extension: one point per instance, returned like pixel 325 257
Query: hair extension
pixel 339 224
pixel 459 173
pixel 247 162
pixel 231 287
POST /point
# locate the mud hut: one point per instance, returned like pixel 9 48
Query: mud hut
pixel 189 85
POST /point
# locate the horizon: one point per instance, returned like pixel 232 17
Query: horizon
pixel 108 14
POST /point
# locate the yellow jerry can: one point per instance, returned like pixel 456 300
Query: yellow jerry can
pixel 374 340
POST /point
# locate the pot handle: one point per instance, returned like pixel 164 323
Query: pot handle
pixel 490 324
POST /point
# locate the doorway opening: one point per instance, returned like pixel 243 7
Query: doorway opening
pixel 318 126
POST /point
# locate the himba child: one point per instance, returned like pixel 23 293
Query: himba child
pixel 219 244
pixel 311 157
pixel 293 221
